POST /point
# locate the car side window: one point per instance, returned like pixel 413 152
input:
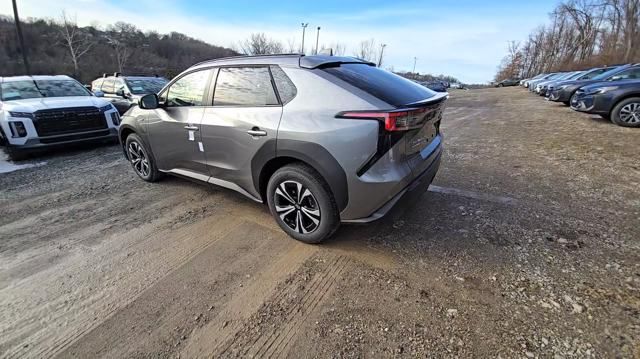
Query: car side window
pixel 188 90
pixel 633 73
pixel 286 89
pixel 96 85
pixel 244 86
pixel 107 86
pixel 118 84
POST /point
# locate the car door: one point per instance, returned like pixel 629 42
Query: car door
pixel 118 98
pixel 242 122
pixel 174 127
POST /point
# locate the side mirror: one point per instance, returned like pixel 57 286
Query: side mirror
pixel 615 78
pixel 120 92
pixel 98 94
pixel 148 102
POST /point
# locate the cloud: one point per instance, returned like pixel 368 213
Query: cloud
pixel 468 47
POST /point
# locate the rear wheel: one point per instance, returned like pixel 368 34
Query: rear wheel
pixel 627 113
pixel 302 203
pixel 141 160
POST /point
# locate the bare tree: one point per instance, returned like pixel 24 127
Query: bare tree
pixel 121 38
pixel 77 41
pixel 260 44
pixel 292 46
pixel 367 50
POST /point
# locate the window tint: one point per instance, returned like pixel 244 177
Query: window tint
pixel 95 85
pixel 632 73
pixel 286 88
pixel 388 87
pixel 107 86
pixel 244 86
pixel 189 90
pixel 118 84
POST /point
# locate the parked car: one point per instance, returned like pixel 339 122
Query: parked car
pixel 437 86
pixel 507 82
pixel 566 89
pixel 584 75
pixel 551 76
pixel 321 139
pixel 541 87
pixel 525 83
pixel 618 101
pixel 37 112
pixel 124 91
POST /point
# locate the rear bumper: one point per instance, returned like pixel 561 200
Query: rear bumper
pixel 409 195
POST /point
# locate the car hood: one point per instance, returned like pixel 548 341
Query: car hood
pixel 620 83
pixel 573 82
pixel 35 104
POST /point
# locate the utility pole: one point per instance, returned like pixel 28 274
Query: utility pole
pixel 317 38
pixel 415 59
pixel 23 50
pixel 382 46
pixel 304 28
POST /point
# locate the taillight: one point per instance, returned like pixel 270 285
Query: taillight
pixel 395 120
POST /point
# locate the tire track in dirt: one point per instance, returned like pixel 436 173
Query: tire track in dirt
pixel 274 340
pixel 140 273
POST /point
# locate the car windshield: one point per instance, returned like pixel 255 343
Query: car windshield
pixel 607 74
pixel 18 90
pixel 145 86
pixel 575 75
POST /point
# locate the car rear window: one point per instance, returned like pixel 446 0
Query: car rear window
pixel 388 87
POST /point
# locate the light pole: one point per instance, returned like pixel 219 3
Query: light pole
pixel 414 64
pixel 382 46
pixel 317 38
pixel 304 28
pixel 20 38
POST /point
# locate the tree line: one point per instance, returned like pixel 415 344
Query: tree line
pixel 580 34
pixel 59 46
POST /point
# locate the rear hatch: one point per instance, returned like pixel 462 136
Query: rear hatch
pixel 410 127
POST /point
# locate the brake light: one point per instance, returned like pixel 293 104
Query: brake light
pixel 395 120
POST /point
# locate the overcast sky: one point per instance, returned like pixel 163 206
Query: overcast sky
pixel 463 38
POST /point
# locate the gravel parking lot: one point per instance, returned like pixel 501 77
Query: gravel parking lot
pixel 526 245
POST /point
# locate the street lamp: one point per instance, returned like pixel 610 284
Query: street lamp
pixel 382 46
pixel 317 38
pixel 304 28
pixel 414 64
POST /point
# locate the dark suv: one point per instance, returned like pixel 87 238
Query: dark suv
pixel 321 139
pixel 124 91
pixel 618 101
pixel 564 90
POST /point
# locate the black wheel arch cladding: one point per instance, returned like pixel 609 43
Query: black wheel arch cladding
pixel 312 154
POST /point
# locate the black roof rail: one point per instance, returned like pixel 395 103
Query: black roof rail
pixel 248 56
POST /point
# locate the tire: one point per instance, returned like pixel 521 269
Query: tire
pixel 500 85
pixel 302 204
pixel 16 154
pixel 627 113
pixel 142 162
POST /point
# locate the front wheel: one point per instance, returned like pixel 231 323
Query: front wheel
pixel 627 113
pixel 302 203
pixel 141 160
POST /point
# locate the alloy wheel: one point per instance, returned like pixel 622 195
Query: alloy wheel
pixel 138 159
pixel 630 113
pixel 297 207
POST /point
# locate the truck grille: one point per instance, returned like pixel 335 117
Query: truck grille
pixel 68 120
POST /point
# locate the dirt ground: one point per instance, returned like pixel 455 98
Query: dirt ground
pixel 526 245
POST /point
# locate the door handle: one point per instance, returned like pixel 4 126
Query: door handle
pixel 256 132
pixel 191 128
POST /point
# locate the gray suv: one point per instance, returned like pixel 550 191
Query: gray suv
pixel 321 139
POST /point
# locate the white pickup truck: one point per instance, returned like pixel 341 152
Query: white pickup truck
pixel 44 111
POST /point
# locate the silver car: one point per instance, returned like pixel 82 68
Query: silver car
pixel 320 139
